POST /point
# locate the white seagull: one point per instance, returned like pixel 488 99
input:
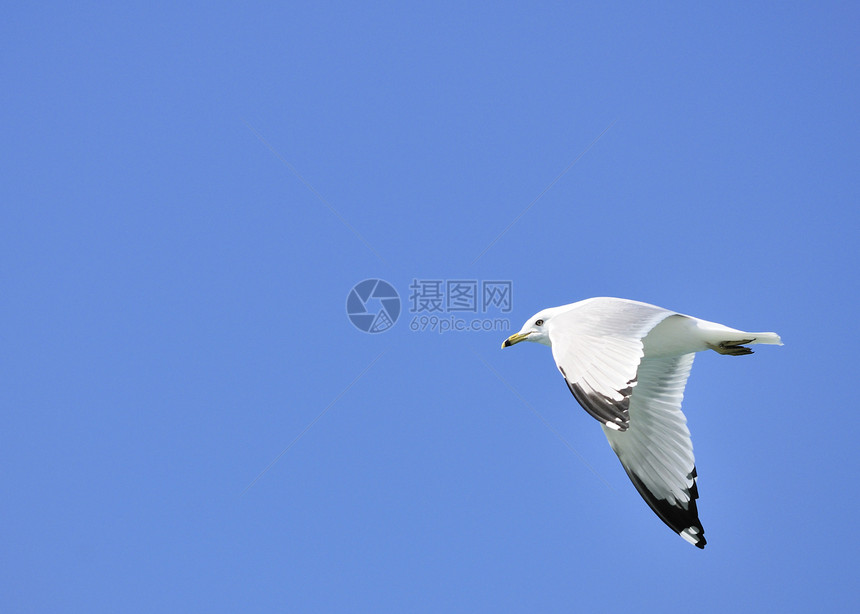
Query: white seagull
pixel 627 363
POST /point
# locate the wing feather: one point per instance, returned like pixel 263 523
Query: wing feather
pixel 597 347
pixel 656 450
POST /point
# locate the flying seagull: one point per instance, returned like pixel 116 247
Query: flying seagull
pixel 627 364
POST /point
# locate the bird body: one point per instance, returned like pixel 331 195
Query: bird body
pixel 627 365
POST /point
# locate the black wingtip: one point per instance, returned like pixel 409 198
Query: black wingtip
pixel 695 536
pixel 685 522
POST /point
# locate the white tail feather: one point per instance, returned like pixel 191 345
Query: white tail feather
pixel 765 338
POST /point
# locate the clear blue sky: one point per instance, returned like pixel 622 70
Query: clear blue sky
pixel 173 309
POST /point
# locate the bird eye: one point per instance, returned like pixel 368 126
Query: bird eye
pixel 538 322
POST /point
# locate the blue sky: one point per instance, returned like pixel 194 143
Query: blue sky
pixel 189 194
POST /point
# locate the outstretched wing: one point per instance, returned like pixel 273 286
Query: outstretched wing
pixel 656 450
pixel 597 347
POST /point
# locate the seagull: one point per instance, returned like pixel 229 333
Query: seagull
pixel 627 364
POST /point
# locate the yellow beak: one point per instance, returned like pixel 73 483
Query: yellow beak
pixel 514 339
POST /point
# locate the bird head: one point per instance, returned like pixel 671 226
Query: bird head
pixel 535 329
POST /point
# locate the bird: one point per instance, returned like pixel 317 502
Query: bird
pixel 627 364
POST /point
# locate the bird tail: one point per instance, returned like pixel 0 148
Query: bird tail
pixel 765 338
pixel 731 341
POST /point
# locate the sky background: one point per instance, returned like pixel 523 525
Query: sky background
pixel 190 192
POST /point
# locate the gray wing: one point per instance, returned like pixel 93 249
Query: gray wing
pixel 597 348
pixel 656 450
